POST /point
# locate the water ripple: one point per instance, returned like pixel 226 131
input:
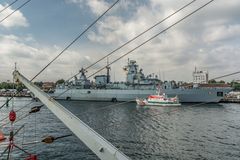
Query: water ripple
pixel 203 132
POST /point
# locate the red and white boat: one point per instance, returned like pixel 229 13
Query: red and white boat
pixel 158 100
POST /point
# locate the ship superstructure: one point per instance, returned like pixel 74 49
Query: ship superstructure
pixel 135 79
pixel 139 85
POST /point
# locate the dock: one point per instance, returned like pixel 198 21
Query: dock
pixel 14 94
pixel 232 97
pixel 230 100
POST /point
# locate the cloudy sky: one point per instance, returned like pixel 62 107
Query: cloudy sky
pixel 209 39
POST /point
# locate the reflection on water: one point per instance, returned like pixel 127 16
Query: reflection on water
pixel 209 131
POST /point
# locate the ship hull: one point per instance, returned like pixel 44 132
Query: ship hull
pixel 146 103
pixel 194 95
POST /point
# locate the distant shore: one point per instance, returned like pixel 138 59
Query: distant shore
pixel 14 93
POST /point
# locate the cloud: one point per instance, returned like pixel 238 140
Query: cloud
pixel 221 32
pixel 32 57
pixel 208 39
pixel 15 20
pixel 179 48
pixel 97 6
pixel 106 32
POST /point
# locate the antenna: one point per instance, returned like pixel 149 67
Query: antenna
pixel 163 76
pixel 108 68
pixel 159 74
pixel 15 66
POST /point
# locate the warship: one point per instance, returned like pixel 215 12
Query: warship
pixel 139 85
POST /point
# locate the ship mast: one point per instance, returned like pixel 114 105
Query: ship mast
pixel 108 73
pixel 100 146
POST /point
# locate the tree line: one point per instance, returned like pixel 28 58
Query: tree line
pixel 10 85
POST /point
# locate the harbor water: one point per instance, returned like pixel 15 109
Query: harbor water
pixel 191 131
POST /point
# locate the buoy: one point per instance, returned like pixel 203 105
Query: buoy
pixel 48 139
pixel 12 116
pixel 31 157
pixel 2 136
pixel 35 109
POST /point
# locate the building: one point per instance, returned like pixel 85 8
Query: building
pixel 200 76
pixel 48 86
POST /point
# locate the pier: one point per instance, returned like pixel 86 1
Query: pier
pixel 14 93
pixel 232 97
pixel 230 100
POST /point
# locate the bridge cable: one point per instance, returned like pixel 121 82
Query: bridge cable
pixel 15 11
pixel 9 5
pixel 67 45
pixel 148 40
pixel 219 77
pixel 103 108
pixel 74 40
pixel 226 75
pixel 156 24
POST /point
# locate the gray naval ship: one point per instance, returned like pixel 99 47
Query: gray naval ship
pixel 141 86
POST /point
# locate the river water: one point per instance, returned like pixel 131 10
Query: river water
pixel 192 131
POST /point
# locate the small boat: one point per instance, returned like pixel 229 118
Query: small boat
pixel 158 100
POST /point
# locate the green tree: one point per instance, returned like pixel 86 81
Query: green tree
pixel 6 85
pixel 39 84
pixel 223 82
pixel 20 87
pixel 60 81
pixel 235 86
pixel 212 81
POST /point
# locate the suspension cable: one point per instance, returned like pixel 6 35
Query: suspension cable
pixel 226 75
pixel 15 11
pixel 69 45
pixel 156 24
pixel 16 110
pixel 6 102
pixel 219 77
pixel 24 115
pixel 9 5
pixel 4 20
pixel 156 35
